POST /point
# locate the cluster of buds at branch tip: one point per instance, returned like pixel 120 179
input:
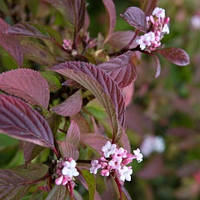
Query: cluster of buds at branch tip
pixel 65 172
pixel 158 26
pixel 114 161
pixel 67 45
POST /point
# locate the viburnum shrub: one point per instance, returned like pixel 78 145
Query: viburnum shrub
pixel 74 101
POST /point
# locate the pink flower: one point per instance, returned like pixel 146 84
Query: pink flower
pixel 95 166
pixel 105 172
pixel 67 44
pixel 108 149
pixel 66 171
pixel 158 25
pixel 114 162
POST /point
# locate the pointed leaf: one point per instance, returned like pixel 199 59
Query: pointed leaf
pixel 136 18
pixel 71 106
pixel 121 39
pixel 121 69
pixel 175 55
pixel 110 7
pixel 10 43
pixel 57 193
pixel 157 65
pixel 91 182
pixel 30 151
pixel 14 183
pixel 69 147
pixel 25 29
pixel 19 120
pixel 150 5
pixel 74 10
pixel 102 86
pixel 95 141
pixel 37 53
pixel 73 134
pixel 26 84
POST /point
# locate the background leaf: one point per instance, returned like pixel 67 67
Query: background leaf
pixel 102 86
pixel 71 106
pixel 10 43
pixel 91 182
pixel 57 193
pixel 14 183
pixel 19 120
pixel 96 141
pixel 26 84
pixel 69 147
pixel 110 7
pixel 121 39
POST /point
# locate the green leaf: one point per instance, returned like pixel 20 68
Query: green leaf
pixel 90 179
pixel 52 80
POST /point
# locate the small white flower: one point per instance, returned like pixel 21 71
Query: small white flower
pixel 165 29
pixel 69 169
pixel 108 149
pixel 95 166
pixel 146 40
pixel 151 144
pixel 125 173
pixel 159 12
pixel 138 155
pixel 159 144
pixel 195 21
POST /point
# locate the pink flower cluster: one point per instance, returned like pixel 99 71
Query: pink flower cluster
pixel 114 162
pixel 67 44
pixel 157 25
pixel 65 171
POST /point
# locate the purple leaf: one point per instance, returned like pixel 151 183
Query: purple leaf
pixel 124 142
pixel 38 53
pixel 95 141
pixel 57 193
pixel 73 134
pixel 15 183
pixel 74 10
pixel 26 84
pixel 82 123
pixel 25 29
pixel 136 18
pixel 10 43
pixel 71 106
pixel 150 5
pixel 20 121
pixel 121 39
pixel 69 147
pixel 102 86
pixel 121 69
pixel 158 66
pixel 110 7
pixel 175 55
pixel 153 168
pixel 30 151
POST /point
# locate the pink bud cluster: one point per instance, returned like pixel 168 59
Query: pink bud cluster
pixel 157 25
pixel 114 162
pixel 67 44
pixel 65 172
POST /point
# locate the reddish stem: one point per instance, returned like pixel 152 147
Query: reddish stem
pixel 57 153
pixel 70 191
pixel 119 187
